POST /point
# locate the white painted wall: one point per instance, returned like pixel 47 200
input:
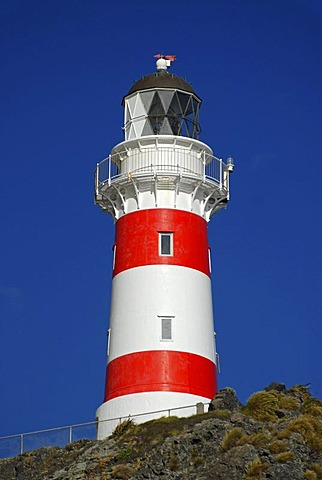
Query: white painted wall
pixel 111 413
pixel 141 295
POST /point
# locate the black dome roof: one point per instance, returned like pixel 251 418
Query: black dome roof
pixel 161 79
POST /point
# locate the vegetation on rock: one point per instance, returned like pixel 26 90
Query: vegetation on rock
pixel 277 435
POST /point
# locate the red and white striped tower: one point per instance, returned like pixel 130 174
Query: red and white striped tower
pixel 161 185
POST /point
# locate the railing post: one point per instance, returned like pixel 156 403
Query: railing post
pixel 200 408
pixel 70 434
pixel 21 444
pixel 204 166
pixel 220 173
pixel 228 195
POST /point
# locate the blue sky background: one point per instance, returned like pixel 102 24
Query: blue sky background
pixel 65 67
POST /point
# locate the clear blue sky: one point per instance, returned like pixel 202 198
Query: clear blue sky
pixel 65 68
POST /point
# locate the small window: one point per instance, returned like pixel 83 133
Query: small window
pixel 108 334
pixel 218 362
pixel 166 244
pixel 166 328
pixel 114 255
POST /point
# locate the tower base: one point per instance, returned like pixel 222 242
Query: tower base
pixel 142 407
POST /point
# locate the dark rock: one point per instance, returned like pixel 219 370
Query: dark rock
pixel 279 387
pixel 280 413
pixel 226 399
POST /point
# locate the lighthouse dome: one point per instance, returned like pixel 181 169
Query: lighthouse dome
pixel 161 79
pixel 161 104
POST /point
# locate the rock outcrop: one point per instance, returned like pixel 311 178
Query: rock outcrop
pixel 277 435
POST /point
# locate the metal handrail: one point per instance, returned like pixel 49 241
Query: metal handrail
pixel 209 167
pixel 70 428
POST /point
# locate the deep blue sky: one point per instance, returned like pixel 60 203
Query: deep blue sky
pixel 65 68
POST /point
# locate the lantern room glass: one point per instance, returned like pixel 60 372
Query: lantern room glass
pixel 162 112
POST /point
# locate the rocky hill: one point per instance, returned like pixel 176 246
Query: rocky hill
pixel 276 435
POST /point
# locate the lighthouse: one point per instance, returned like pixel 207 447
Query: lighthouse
pixel 161 185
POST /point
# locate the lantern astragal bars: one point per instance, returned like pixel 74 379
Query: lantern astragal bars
pixel 161 185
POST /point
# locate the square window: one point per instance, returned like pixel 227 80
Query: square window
pixel 166 244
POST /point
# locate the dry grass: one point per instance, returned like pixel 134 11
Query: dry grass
pixel 197 459
pixel 123 427
pixel 284 457
pixel 310 475
pixel 255 469
pixel 222 414
pixel 258 439
pixel 317 469
pixel 312 406
pixel 300 391
pixel 288 403
pixel 262 406
pixel 309 427
pixel 231 438
pixel 278 446
pixel 146 435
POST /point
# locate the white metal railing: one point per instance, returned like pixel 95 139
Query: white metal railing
pixel 13 445
pixel 151 161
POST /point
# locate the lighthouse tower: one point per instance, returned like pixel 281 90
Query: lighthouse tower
pixel 162 186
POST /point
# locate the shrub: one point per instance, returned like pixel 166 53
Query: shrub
pixel 122 472
pixel 310 475
pixel 124 454
pixel 231 438
pixel 312 406
pixel 317 469
pixel 121 428
pixel 262 406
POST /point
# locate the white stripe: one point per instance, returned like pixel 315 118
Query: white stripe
pixel 142 295
pixel 121 408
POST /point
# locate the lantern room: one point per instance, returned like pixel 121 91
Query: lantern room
pixel 161 104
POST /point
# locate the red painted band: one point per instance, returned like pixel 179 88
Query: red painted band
pixel 137 240
pixel 161 370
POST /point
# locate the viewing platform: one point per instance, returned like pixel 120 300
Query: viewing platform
pixel 142 173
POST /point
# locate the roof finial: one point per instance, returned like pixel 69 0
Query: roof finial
pixel 164 61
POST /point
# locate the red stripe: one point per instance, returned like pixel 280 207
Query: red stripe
pixel 163 370
pixel 137 239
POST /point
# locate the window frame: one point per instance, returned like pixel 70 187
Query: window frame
pixel 162 235
pixel 114 255
pixel 209 260
pixel 163 318
pixel 108 341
